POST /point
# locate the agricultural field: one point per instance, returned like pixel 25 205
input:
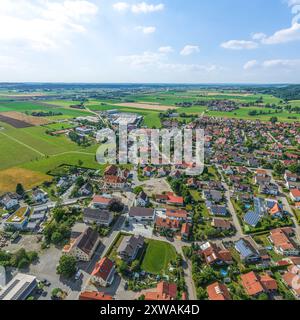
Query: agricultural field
pixel 158 256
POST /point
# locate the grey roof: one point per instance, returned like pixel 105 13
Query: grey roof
pixel 130 244
pixel 141 212
pixel 244 248
pixel 88 240
pixel 97 214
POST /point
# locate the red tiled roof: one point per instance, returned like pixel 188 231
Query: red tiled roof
pixel 100 199
pixel 173 213
pixel 103 268
pixel 252 284
pixel 164 291
pixel 218 291
pixel 86 295
pixel 166 223
pixel 268 283
pixel 295 193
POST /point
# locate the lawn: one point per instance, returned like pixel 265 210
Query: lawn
pixel 158 256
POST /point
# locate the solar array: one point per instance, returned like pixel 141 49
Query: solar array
pixel 242 247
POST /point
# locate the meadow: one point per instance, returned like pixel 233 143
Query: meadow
pixel 158 256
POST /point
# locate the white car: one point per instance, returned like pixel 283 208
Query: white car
pixel 78 275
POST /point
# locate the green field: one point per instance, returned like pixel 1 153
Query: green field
pixel 158 256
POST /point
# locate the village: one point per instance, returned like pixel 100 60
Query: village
pixel 151 232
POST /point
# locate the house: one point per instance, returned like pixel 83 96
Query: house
pixel 295 195
pixel 104 272
pixel 86 190
pixel 218 291
pixel 111 170
pixel 129 247
pixel 164 291
pixel 291 277
pixel 218 210
pixel 282 242
pixel 276 211
pixel 142 214
pixel 9 202
pixel 213 195
pixel 39 195
pixel 98 216
pixel 186 229
pixel 115 182
pixel 84 246
pixel 292 177
pixel 162 224
pixel 247 252
pixel 101 202
pixel 215 255
pixel 221 224
pixel 255 284
pixel 174 200
pixel 142 199
pixel 177 214
pixel 269 189
pixel 94 296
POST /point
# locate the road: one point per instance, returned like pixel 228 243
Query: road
pixel 239 230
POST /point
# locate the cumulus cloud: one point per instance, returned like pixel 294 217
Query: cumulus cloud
pixel 141 7
pixel 286 64
pixel 121 6
pixel 239 45
pixel 189 49
pixel 159 60
pixel 146 30
pixel 284 35
pixel 166 49
pixel 42 24
pixel 251 64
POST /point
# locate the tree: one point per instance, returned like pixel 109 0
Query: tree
pixel 122 267
pixel 279 168
pixel 135 266
pixel 116 206
pixel 67 266
pixel 274 120
pixel 20 189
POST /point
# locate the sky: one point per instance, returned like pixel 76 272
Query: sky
pixel 153 41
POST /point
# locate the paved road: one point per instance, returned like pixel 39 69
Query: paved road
pixel 232 211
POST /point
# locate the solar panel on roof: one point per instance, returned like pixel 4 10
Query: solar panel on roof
pixel 243 249
pixel 252 218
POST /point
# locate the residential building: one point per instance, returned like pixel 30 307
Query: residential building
pixel 101 202
pixel 218 291
pixel 98 216
pixel 142 214
pixel 255 284
pixel 166 224
pixel 94 296
pixel 104 272
pixel 247 252
pixel 215 255
pixel 9 202
pixel 221 224
pixel 164 291
pixel 84 246
pixel 129 247
pixel 283 244
pixel 295 195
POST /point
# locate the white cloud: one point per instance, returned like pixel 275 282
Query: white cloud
pixel 141 7
pixel 259 36
pixel 144 7
pixel 145 59
pixel 146 30
pixel 189 49
pixel 166 49
pixel 284 35
pixel 42 24
pixel 121 6
pixel 283 64
pixel 239 45
pixel 251 64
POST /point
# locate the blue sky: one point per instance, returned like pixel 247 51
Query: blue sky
pixel 177 41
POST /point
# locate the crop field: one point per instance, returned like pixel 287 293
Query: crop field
pixel 9 178
pixel 35 121
pixel 158 256
pixel 146 106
